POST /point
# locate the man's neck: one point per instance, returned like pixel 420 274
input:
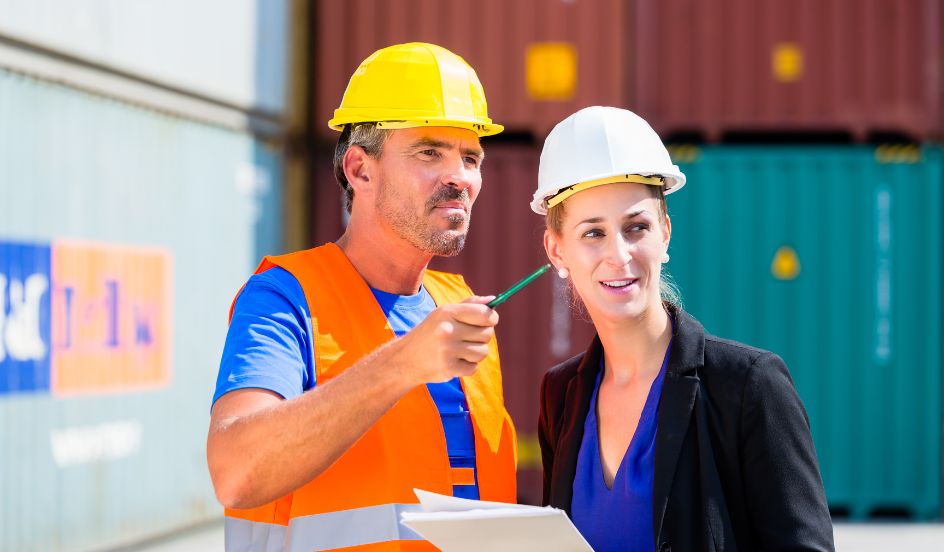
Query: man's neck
pixel 387 263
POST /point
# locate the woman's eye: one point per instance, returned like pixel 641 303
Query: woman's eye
pixel 640 227
pixel 595 233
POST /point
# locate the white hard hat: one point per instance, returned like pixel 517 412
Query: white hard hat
pixel 601 145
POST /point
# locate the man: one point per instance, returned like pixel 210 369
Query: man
pixel 323 423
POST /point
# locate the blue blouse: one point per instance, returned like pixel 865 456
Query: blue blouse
pixel 619 518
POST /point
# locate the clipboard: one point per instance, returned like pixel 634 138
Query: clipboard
pixel 461 525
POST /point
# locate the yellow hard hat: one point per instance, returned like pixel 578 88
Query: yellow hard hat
pixel 413 85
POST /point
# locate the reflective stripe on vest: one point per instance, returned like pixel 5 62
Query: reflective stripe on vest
pixel 355 527
pixel 243 535
pixel 352 499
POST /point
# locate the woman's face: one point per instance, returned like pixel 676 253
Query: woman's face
pixel 612 241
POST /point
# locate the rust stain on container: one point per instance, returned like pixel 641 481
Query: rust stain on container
pixel 859 68
pixel 494 37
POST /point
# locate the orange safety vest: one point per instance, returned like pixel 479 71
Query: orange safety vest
pixel 356 503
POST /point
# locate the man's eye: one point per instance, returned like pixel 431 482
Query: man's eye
pixel 474 161
pixel 429 152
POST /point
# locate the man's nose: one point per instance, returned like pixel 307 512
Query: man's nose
pixel 458 175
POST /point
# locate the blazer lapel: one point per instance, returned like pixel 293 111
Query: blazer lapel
pixel 675 409
pixel 675 412
pixel 577 401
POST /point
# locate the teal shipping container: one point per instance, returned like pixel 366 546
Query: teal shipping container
pixel 124 235
pixel 831 257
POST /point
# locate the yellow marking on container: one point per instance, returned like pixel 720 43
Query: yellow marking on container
pixel 685 154
pixel 898 154
pixel 529 452
pixel 786 263
pixel 786 62
pixel 551 70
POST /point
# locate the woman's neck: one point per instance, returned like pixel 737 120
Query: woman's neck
pixel 634 349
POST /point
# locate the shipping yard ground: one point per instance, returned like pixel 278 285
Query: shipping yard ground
pixel 850 537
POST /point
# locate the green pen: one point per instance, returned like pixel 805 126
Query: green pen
pixel 502 297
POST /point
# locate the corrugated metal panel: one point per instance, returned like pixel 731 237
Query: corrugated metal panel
pixel 229 50
pixel 538 327
pixel 853 303
pixel 494 37
pixel 811 65
pixel 88 471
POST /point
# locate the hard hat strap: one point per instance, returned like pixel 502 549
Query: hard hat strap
pixel 564 193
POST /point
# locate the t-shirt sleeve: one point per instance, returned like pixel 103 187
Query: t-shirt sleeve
pixel 267 345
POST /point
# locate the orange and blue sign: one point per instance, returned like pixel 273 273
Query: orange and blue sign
pixel 81 318
pixel 24 317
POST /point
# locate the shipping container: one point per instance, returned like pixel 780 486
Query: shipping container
pixel 830 257
pixel 539 60
pixel 833 70
pixel 124 236
pixel 840 69
pixel 232 52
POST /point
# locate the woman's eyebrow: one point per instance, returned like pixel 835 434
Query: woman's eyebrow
pixel 595 220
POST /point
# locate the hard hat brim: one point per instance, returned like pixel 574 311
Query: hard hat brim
pixel 670 183
pixel 480 128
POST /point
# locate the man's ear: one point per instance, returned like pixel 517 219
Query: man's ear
pixel 358 169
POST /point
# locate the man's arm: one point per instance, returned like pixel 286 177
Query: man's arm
pixel 261 447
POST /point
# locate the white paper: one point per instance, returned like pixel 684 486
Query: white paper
pixel 435 502
pixel 462 525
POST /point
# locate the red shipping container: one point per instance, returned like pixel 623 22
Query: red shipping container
pixel 539 60
pixel 869 69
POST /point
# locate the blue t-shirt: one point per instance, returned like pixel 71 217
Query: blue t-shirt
pixel 269 346
pixel 619 518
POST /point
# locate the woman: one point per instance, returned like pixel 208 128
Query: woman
pixel 659 436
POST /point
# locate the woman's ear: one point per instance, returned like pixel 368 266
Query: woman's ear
pixel 552 246
pixel 668 232
pixel 358 168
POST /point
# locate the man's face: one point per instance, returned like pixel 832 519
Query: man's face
pixel 429 179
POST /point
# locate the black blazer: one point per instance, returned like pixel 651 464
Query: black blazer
pixel 735 467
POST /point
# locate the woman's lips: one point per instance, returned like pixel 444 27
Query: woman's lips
pixel 619 286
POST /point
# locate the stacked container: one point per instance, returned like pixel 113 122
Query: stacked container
pixel 135 202
pixel 841 69
pixel 825 248
pixel 830 257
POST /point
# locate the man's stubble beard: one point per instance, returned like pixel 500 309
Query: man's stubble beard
pixel 418 230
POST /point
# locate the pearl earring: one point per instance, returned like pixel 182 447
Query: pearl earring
pixel 665 258
pixel 563 273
